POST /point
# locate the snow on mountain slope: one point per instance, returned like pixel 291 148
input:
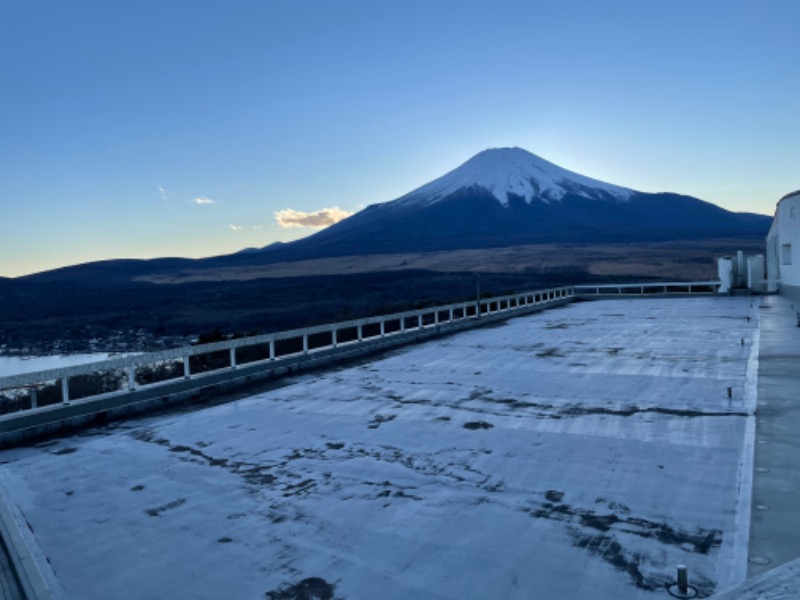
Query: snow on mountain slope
pixel 516 171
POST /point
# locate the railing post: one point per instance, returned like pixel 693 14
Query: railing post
pixel 383 328
pixel 402 324
pixel 419 321
pixel 334 338
pixel 187 372
pixel 272 349
pixel 305 343
pixel 34 397
pixel 360 333
pixel 436 317
pixel 233 358
pixel 131 378
pixel 65 389
pixel 451 314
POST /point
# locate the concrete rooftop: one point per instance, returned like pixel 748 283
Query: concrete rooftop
pixel 578 453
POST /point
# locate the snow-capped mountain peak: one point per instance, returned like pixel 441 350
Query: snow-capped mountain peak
pixel 504 171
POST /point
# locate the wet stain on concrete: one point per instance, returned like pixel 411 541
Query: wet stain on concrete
pixel 598 534
pixel 629 411
pixel 550 353
pixel 554 496
pixel 155 512
pixel 299 489
pixel 379 420
pixel 477 425
pixel 312 588
pixel 65 451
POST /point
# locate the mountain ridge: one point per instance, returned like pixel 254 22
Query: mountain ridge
pixel 509 196
pixel 500 197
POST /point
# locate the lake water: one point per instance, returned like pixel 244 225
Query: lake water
pixel 13 365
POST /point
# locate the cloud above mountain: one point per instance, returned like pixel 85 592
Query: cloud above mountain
pixel 318 219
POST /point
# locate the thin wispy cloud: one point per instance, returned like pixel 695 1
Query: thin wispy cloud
pixel 256 227
pixel 164 193
pixel 236 227
pixel 318 219
pixel 202 200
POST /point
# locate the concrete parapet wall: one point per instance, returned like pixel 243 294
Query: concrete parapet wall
pixel 781 583
pixel 790 291
pixel 35 577
pixel 671 289
pixel 36 422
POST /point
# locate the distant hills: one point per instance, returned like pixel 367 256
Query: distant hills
pixel 499 198
pixel 521 221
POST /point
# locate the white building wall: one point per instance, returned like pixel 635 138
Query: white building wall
pixel 785 240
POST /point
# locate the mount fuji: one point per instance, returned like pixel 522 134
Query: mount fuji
pixel 501 197
pixel 507 197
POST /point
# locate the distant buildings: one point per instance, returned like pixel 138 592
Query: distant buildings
pixel 783 247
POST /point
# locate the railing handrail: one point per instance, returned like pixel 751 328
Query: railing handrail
pixel 589 286
pixel 34 378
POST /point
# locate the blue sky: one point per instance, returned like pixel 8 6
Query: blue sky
pixel 179 128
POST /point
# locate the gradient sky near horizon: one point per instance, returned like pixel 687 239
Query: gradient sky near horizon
pixel 181 127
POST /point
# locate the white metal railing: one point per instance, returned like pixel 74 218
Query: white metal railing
pixel 359 330
pixel 643 289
